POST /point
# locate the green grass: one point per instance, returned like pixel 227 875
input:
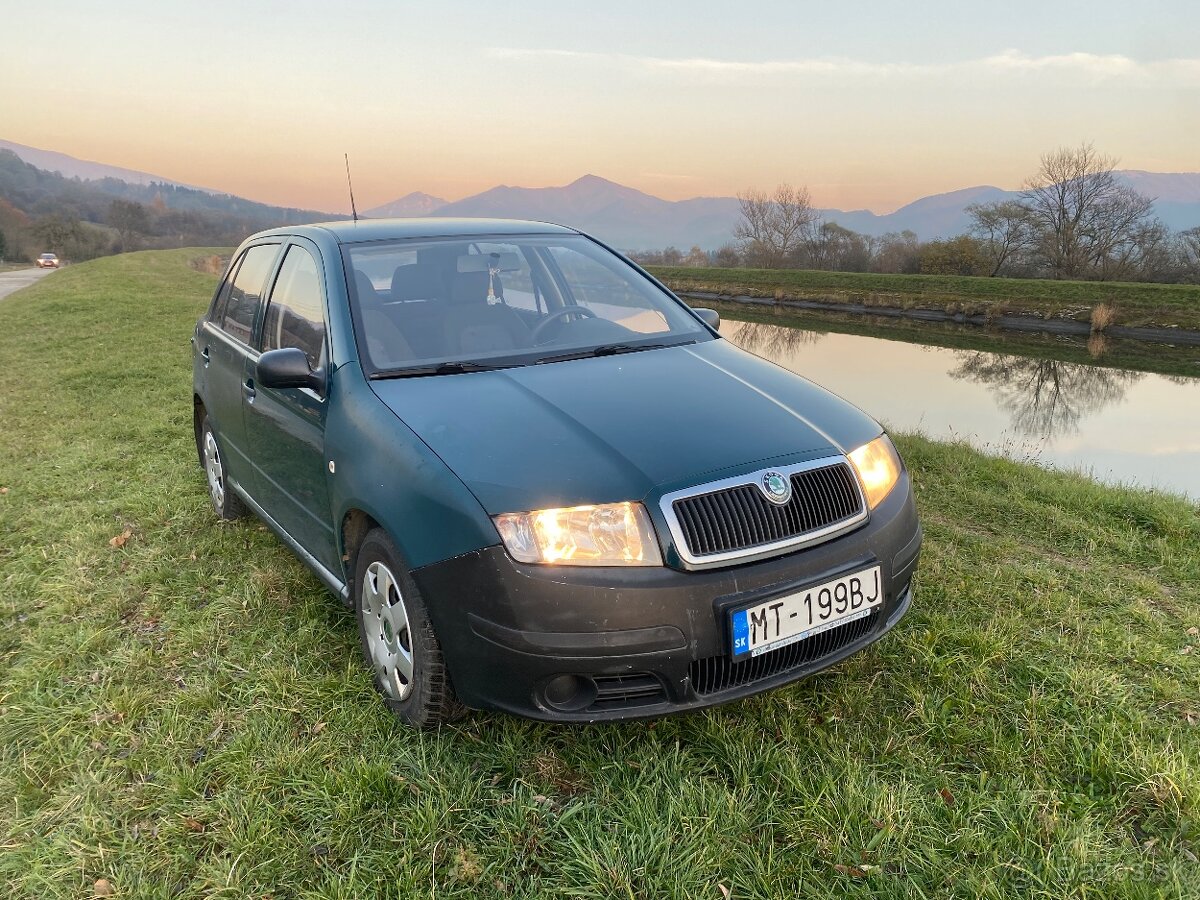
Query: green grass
pixel 1135 303
pixel 186 715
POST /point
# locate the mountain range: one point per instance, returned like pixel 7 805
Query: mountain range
pixel 630 219
pixel 633 220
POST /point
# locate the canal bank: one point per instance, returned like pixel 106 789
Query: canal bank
pixel 1160 334
pixel 1163 312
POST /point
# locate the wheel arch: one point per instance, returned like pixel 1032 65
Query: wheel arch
pixel 198 413
pixel 355 526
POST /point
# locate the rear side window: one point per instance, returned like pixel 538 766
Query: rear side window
pixel 296 317
pixel 222 298
pixel 241 307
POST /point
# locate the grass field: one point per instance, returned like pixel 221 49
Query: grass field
pixel 183 710
pixel 1134 303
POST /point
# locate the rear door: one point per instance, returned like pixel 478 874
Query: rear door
pixel 226 347
pixel 285 429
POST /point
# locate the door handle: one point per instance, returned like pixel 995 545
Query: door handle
pixel 206 355
pixel 248 388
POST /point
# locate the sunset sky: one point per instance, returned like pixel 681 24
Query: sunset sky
pixel 869 104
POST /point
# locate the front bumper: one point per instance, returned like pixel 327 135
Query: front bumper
pixel 577 644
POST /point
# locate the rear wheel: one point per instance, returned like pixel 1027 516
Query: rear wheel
pixel 226 503
pixel 397 637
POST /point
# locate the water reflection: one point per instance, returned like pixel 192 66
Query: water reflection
pixel 1044 397
pixel 1116 424
pixel 774 340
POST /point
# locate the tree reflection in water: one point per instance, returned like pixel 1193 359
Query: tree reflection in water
pixel 773 341
pixel 1045 397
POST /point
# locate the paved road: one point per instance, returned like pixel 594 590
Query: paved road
pixel 19 278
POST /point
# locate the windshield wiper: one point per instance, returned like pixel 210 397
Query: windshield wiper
pixel 607 350
pixel 446 368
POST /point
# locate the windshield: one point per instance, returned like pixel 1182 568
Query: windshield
pixel 475 302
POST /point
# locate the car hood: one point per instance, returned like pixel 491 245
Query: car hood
pixel 622 427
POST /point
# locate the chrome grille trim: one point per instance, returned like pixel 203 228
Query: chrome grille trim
pixel 720 502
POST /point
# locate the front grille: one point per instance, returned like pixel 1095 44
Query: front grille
pixel 740 517
pixel 720 673
pixel 616 691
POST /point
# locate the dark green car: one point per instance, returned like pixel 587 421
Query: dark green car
pixel 545 484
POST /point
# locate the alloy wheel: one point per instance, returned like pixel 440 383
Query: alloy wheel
pixel 387 631
pixel 214 470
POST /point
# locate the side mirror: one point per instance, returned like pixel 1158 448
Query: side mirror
pixel 711 317
pixel 288 368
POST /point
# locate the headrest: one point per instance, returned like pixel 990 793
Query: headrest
pixel 365 288
pixel 416 281
pixel 469 288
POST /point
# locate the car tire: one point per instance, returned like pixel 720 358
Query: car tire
pixel 227 504
pixel 397 638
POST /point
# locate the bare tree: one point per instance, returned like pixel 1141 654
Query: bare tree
pixel 56 231
pixel 773 227
pixel 898 253
pixel 1144 254
pixel 1006 230
pixel 728 257
pixel 129 218
pixel 829 246
pixel 1081 212
pixel 1187 252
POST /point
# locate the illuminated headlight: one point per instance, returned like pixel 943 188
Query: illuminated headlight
pixel 612 534
pixel 878 467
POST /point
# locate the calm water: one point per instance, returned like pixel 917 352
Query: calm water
pixel 1116 425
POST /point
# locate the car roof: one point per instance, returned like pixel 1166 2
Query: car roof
pixel 351 232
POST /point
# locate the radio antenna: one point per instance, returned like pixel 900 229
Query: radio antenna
pixel 350 184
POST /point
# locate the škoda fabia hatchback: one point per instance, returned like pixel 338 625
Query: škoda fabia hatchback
pixel 545 484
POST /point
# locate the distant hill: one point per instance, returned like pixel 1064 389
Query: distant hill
pixel 625 217
pixel 53 161
pixel 415 204
pixel 180 216
pixel 620 215
pixel 633 220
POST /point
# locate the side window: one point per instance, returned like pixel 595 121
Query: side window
pixel 295 316
pixel 222 298
pixel 241 308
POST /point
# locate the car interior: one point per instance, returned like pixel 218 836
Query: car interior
pixel 449 303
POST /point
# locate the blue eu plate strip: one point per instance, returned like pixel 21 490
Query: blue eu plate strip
pixel 741 632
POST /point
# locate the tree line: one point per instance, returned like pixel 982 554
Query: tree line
pixel 1074 219
pixel 45 211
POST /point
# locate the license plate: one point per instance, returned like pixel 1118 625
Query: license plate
pixel 785 620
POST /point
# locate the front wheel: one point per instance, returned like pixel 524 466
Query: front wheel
pixel 397 637
pixel 226 503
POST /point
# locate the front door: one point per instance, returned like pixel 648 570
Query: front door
pixel 285 428
pixel 226 346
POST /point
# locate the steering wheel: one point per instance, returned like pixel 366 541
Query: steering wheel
pixel 540 327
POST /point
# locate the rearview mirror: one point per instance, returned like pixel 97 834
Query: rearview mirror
pixel 481 262
pixel 711 317
pixel 288 368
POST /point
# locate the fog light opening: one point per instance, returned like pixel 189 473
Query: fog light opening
pixel 570 693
